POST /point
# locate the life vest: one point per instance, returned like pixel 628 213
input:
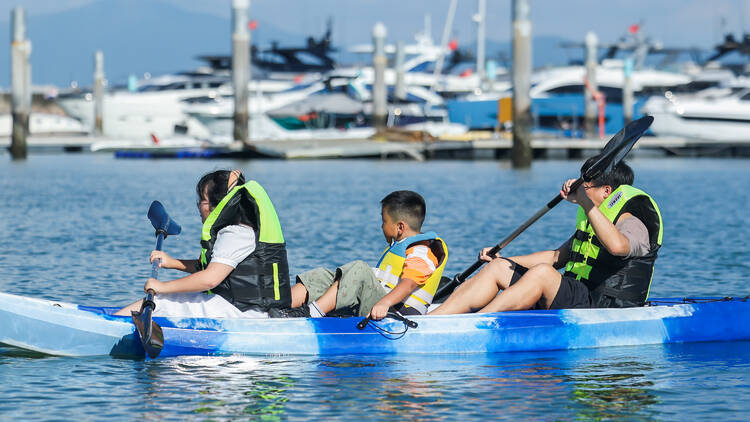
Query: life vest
pixel 261 280
pixel 614 281
pixel 391 265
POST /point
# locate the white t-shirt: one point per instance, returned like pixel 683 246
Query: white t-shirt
pixel 233 244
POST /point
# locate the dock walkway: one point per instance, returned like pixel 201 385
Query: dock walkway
pixel 477 147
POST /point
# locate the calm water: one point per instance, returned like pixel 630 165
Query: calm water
pixel 76 230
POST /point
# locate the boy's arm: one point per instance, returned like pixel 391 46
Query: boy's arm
pixel 402 290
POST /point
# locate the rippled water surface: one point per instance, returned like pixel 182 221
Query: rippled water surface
pixel 75 229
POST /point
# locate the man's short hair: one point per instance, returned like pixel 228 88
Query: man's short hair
pixel 621 174
pixel 407 206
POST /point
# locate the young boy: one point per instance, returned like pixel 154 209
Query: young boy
pixel 406 277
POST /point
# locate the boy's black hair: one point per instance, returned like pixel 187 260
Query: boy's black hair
pixel 621 174
pixel 407 206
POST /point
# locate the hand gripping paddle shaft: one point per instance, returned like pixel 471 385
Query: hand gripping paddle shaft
pixel 150 332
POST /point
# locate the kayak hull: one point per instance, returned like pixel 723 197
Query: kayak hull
pixel 57 328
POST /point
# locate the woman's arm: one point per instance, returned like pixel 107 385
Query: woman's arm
pixel 184 265
pixel 200 281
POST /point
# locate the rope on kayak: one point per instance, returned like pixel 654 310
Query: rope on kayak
pixel 697 300
pixel 390 335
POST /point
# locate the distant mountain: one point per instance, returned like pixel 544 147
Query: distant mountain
pixel 136 36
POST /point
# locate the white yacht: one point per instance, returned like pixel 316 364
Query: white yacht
pixel 155 107
pixel 346 100
pixel 557 96
pixel 42 124
pixel 216 112
pixel 419 64
pixel 712 115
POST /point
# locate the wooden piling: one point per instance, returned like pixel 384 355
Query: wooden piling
pixel 627 92
pixel 20 76
pixel 480 19
pixel 98 92
pixel 590 87
pixel 379 63
pixel 240 69
pixel 444 43
pixel 521 76
pixel 400 89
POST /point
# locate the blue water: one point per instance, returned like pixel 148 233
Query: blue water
pixel 75 229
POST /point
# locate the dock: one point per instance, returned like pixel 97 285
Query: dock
pixel 471 146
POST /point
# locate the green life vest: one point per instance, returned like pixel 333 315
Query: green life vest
pixel 615 281
pixel 261 280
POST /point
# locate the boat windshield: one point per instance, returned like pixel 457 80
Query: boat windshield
pixel 309 59
pixel 299 87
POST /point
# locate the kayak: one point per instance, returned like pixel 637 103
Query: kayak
pixel 66 329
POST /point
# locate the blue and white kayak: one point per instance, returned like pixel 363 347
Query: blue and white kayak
pixel 65 329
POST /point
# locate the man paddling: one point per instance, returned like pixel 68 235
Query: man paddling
pixel 608 261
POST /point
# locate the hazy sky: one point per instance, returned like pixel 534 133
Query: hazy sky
pixel 673 22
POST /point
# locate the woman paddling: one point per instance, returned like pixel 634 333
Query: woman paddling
pixel 242 270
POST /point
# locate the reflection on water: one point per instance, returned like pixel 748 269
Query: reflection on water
pixel 605 391
pixel 219 387
pixel 650 382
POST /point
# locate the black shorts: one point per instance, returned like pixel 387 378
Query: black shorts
pixel 572 294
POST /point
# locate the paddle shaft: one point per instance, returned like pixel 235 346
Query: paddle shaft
pixel 497 248
pixel 157 262
pixel 148 305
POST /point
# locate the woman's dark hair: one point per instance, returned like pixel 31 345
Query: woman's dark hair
pixel 407 206
pixel 215 184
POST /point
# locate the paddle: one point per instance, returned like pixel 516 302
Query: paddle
pixel 612 153
pixel 150 333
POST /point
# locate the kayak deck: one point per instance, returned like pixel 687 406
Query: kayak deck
pixel 71 330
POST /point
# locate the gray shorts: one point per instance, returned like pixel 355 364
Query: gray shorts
pixel 358 290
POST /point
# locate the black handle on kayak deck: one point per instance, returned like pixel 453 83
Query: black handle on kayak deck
pixel 395 315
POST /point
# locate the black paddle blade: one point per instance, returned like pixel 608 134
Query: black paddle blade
pixel 161 221
pixel 617 148
pixel 150 333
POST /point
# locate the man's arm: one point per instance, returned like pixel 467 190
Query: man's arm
pixel 611 238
